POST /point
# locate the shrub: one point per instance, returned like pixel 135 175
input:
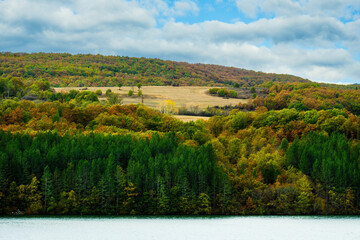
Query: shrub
pixel 233 94
pixel 99 92
pixel 130 93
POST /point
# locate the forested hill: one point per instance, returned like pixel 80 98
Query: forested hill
pixel 62 69
pixel 294 150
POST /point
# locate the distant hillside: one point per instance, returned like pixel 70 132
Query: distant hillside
pixel 63 70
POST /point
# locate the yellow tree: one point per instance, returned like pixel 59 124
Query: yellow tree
pixel 168 106
pixel 306 197
pixel 32 196
pixel 130 195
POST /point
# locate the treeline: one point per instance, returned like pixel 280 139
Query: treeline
pixel 223 92
pixel 261 162
pixel 86 70
pixel 25 116
pixel 11 87
pixel 73 116
pixel 236 92
pixel 330 160
pixel 108 174
pixel 306 96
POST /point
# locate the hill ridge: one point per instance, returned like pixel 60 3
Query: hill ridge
pixel 79 70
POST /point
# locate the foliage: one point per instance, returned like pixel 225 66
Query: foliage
pixel 113 98
pixel 292 149
pixel 130 159
pixel 306 96
pixel 87 177
pixel 86 70
pixel 168 107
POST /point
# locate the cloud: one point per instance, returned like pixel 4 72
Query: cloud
pixel 298 41
pixel 326 65
pixel 330 8
pixel 304 30
pixel 69 25
pixel 74 15
pixel 177 8
pixel 181 8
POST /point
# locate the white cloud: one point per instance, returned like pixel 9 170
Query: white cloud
pixel 326 65
pixel 305 30
pixel 75 15
pixel 10 31
pixel 333 8
pixel 177 8
pixel 182 7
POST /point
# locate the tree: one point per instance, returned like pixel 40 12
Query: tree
pixel 98 92
pixel 130 196
pixel 18 86
pixel 107 186
pixel 222 92
pixel 168 106
pixel 120 183
pixel 113 98
pixel 284 144
pixel 293 153
pixel 163 199
pixel 32 196
pixel 9 87
pixel 203 204
pixel 216 125
pixel 175 200
pixel 233 94
pixel 12 201
pixel 139 85
pixel 306 198
pixel 140 94
pixel 131 92
pixel 68 203
pixel 238 121
pixel 47 186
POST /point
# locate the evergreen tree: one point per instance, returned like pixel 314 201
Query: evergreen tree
pixel 47 187
pixel 163 199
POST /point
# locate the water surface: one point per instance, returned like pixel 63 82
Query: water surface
pixel 147 228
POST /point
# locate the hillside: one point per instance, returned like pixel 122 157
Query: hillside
pixel 63 70
pixel 291 148
pixel 87 159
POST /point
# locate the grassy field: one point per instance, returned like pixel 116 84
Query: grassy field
pixel 187 96
pixel 187 118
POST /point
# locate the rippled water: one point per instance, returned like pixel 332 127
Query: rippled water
pixel 227 228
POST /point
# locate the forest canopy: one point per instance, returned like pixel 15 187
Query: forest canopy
pixel 293 148
pixel 59 158
pixel 86 70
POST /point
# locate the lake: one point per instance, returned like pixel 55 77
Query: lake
pixel 184 228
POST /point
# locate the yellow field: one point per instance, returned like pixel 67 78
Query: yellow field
pixel 187 118
pixel 155 95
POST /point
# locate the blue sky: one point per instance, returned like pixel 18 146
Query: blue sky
pixel 314 39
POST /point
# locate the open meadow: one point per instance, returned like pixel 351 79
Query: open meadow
pixel 186 96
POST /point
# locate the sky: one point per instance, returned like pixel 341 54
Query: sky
pixel 314 39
